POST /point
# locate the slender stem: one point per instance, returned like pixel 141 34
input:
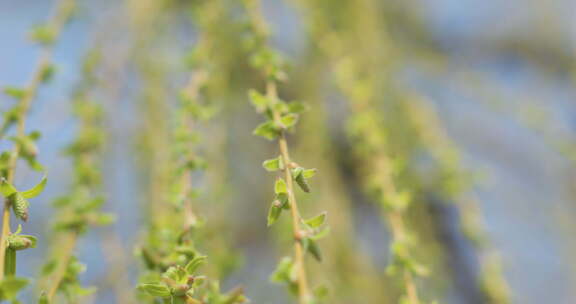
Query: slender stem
pixel 24 107
pixel 299 254
pixel 298 249
pixel 192 90
pixel 69 243
pixel 4 236
pixel 254 11
pixel 411 290
pixel 398 228
pixel 10 262
pixel 396 223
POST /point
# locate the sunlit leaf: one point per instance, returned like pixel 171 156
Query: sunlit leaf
pixel 36 190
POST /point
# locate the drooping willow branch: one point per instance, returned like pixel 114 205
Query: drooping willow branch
pixel 357 53
pixel 493 285
pixel 281 117
pixel 80 207
pixel 24 143
pixel 171 253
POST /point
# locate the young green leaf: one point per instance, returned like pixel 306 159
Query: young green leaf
pixel 283 199
pixel 301 175
pixel 314 250
pixel 302 182
pixel 309 173
pixel 36 190
pixel 274 212
pixel 316 221
pixel 280 186
pixel 297 171
pixel 6 188
pixel 274 164
pixel 155 290
pixel 175 273
pixel 319 234
pixel 259 101
pixel 10 287
pixel 14 92
pixel 321 292
pixel 43 34
pixel 193 265
pixel 296 107
pixel 289 120
pixel 267 130
pixel 282 274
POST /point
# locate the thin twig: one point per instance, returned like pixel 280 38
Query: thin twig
pixel 303 289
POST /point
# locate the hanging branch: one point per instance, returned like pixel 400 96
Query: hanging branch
pixel 25 148
pixel 355 55
pixel 171 255
pixel 455 184
pixel 80 208
pixel 281 118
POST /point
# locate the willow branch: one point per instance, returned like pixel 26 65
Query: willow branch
pixel 62 14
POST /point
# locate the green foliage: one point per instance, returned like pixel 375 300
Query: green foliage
pixel 286 273
pixel 80 207
pixel 171 252
pixel 11 286
pixel 316 221
pixel 44 34
pixel 18 199
pixel 182 285
pixel 274 164
pixel 281 117
pixel 28 149
pixel 14 92
pixel 268 130
pixel 185 251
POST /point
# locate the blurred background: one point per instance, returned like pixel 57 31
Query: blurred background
pixel 478 103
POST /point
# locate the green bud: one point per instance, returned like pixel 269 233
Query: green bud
pixel 274 212
pixel 43 34
pixel 21 242
pixel 298 176
pixel 47 73
pixel 19 205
